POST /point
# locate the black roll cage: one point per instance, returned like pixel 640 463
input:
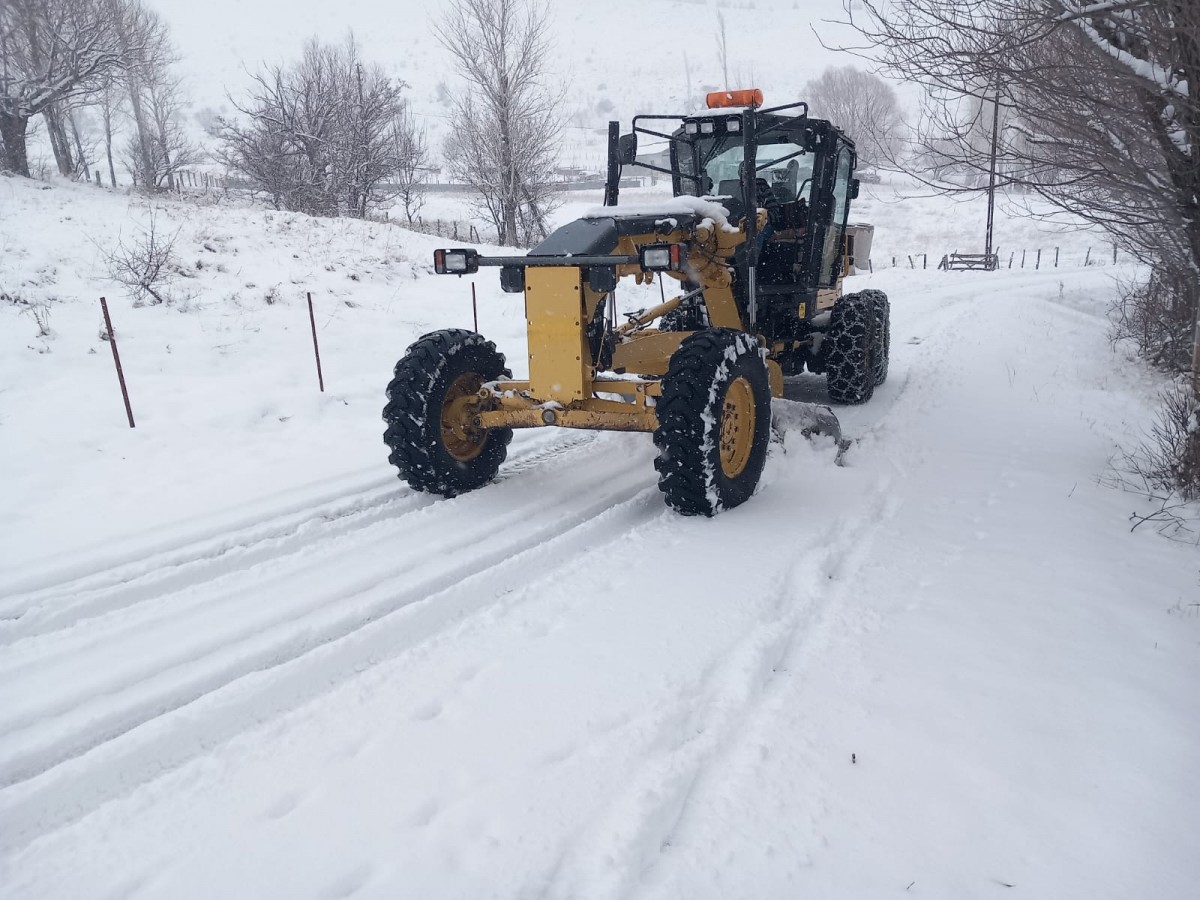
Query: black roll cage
pixel 752 134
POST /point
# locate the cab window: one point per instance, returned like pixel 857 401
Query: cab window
pixel 787 169
pixel 831 256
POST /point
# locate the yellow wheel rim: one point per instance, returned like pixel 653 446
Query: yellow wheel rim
pixel 737 427
pixel 461 437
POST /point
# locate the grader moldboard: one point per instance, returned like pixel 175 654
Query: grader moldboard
pixel 756 236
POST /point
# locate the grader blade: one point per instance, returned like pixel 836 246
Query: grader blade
pixel 810 419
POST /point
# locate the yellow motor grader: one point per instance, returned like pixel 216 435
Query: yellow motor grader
pixel 756 238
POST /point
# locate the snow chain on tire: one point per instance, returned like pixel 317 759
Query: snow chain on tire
pixel 438 369
pixel 848 363
pixel 881 344
pixel 714 415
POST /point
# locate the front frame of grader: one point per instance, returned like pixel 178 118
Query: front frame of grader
pixel 567 284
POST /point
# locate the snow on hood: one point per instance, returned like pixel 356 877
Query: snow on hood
pixel 704 207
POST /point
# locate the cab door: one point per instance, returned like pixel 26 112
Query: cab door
pixel 833 246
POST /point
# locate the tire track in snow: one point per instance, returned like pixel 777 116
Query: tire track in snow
pixel 704 725
pixel 160 722
pixel 38 678
pixel 166 570
pixel 618 850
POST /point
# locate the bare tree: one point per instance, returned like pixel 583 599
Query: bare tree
pixel 723 48
pixel 865 107
pixel 166 149
pixel 367 153
pixel 56 115
pixel 687 80
pixel 51 51
pixel 1103 102
pixel 147 265
pixel 140 33
pixel 159 146
pixel 506 124
pixel 412 157
pixel 110 109
pixel 320 136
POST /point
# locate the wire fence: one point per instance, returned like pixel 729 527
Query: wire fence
pixel 1026 258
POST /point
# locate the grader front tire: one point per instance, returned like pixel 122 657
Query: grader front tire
pixel 432 403
pixel 714 422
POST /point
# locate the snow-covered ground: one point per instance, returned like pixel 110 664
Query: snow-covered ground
pixel 238 658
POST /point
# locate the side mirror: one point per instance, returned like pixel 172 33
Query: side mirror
pixel 627 149
pixel 853 188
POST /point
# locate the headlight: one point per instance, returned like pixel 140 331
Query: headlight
pixel 733 125
pixel 662 257
pixel 455 262
pixel 707 127
pixel 690 127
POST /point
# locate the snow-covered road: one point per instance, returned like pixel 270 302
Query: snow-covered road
pixel 945 668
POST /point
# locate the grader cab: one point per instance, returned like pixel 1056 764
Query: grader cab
pixel 755 238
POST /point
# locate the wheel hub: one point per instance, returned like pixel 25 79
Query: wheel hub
pixel 737 427
pixel 462 438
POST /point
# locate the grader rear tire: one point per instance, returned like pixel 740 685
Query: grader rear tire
pixel 850 341
pixel 432 402
pixel 881 348
pixel 714 422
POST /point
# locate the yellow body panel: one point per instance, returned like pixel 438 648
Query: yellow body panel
pixel 559 360
pixel 775 375
pixel 647 354
pixel 559 303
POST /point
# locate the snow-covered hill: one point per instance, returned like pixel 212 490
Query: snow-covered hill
pixel 238 658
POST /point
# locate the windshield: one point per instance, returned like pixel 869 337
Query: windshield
pixel 785 167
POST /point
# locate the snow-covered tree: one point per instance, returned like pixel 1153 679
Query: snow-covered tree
pixel 864 106
pixel 1104 101
pixel 52 52
pixel 158 146
pixel 326 135
pixel 412 157
pixel 506 124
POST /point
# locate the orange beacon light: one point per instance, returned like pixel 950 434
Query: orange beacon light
pixel 722 99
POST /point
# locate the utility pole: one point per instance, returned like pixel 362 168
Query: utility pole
pixel 992 177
